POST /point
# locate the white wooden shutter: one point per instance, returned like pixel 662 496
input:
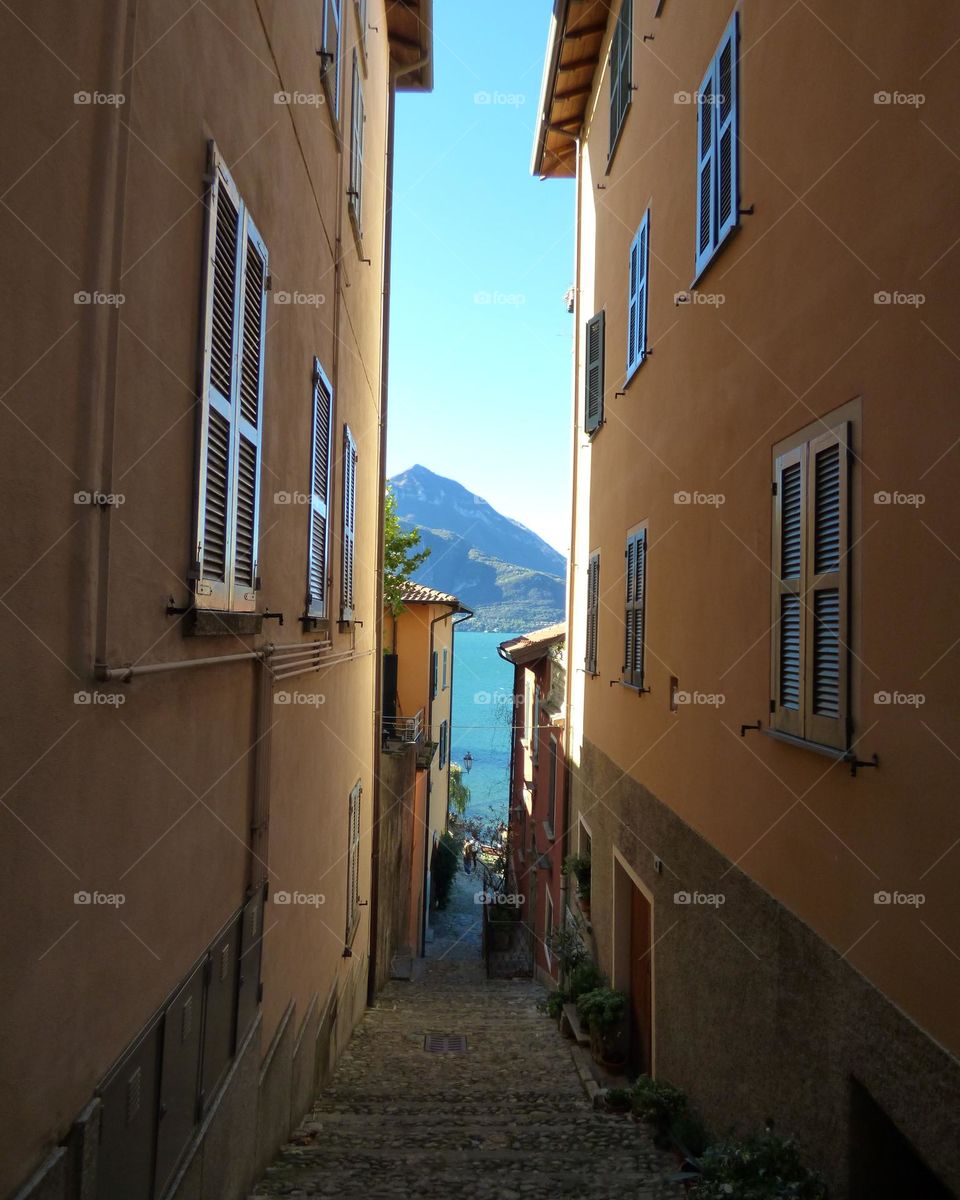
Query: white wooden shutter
pixel 234 326
pixel 637 306
pixel 593 401
pixel 593 612
pixel 331 52
pixel 634 610
pixel 357 120
pixel 826 589
pixel 788 625
pixel 348 532
pixel 321 454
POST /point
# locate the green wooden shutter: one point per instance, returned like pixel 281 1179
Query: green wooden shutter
pixel 593 613
pixel 231 410
pixel 634 609
pixel 826 604
pixel 321 452
pixel 349 526
pixel 593 405
pixel 620 64
pixel 788 625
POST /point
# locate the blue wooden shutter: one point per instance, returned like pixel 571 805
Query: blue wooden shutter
pixel 727 133
pixel 593 400
pixel 637 307
pixel 706 157
pixel 321 452
pixel 349 527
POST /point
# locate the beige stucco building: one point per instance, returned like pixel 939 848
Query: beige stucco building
pixel 196 207
pixel 763 734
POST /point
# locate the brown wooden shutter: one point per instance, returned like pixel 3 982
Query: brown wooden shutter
pixel 634 610
pixel 788 626
pixel 320 461
pixel 593 400
pixel 593 612
pixel 827 655
pixel 349 528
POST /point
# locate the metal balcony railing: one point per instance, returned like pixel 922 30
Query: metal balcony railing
pixel 404 729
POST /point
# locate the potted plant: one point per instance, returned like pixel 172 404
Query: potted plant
pixel 617 1100
pixel 585 977
pixel 579 867
pixel 603 1011
pixel 762 1167
pixel 658 1104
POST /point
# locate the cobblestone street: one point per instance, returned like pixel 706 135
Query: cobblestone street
pixel 507 1119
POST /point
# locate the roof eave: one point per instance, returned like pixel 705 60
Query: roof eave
pixel 558 21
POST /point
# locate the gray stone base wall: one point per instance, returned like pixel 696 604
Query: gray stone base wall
pixel 756 1017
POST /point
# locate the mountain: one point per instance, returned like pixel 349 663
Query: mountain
pixel 511 578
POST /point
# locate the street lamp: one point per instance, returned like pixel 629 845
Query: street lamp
pixel 468 761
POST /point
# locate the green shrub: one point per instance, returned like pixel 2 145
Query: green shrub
pixel 657 1102
pixel 617 1099
pixel 585 977
pixel 553 1004
pixel 577 865
pixel 763 1167
pixel 601 1009
pixel 446 863
pixel 689 1134
pixel 566 945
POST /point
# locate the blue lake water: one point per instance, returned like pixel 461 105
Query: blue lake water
pixel 482 719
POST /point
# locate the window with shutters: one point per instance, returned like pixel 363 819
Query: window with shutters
pixel 348 530
pixel 535 730
pixel 809 650
pixel 593 612
pixel 639 269
pixel 357 120
pixel 548 928
pixel 225 565
pixel 552 788
pixel 593 402
pixel 634 617
pixel 360 8
pixel 443 745
pixel 718 158
pixel 321 456
pixel 353 862
pixel 330 54
pixel 621 68
pixel 446 654
pixel 434 675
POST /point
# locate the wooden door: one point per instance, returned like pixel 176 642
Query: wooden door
pixel 641 990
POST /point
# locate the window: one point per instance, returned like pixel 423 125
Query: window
pixel 637 300
pixel 446 653
pixel 552 788
pixel 433 677
pixel 528 707
pixel 535 731
pixel 330 54
pixel 593 612
pixel 443 745
pixel 353 862
pixel 718 177
pixel 593 404
pixel 360 7
pixel 810 595
pixel 349 530
pixel 635 611
pixel 231 410
pixel 321 454
pixel 621 60
pixel 548 927
pixel 357 119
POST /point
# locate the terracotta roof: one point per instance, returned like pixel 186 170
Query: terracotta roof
pixel 532 645
pixel 417 593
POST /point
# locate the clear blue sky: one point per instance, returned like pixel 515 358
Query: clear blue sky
pixel 480 392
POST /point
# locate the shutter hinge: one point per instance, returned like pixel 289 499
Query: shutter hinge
pixel 773 488
pixel 268 283
pixel 257 583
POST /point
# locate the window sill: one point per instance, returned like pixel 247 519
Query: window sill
pixel 630 687
pixel 592 433
pixel 844 756
pixel 212 622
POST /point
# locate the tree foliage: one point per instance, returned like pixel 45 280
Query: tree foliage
pixel 400 555
pixel 459 792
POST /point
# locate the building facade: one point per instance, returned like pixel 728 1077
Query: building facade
pixel 762 708
pixel 537 825
pixel 197 203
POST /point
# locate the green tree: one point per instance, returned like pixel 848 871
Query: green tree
pixel 400 554
pixel 459 792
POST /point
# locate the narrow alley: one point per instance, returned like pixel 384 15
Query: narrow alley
pixel 508 1117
